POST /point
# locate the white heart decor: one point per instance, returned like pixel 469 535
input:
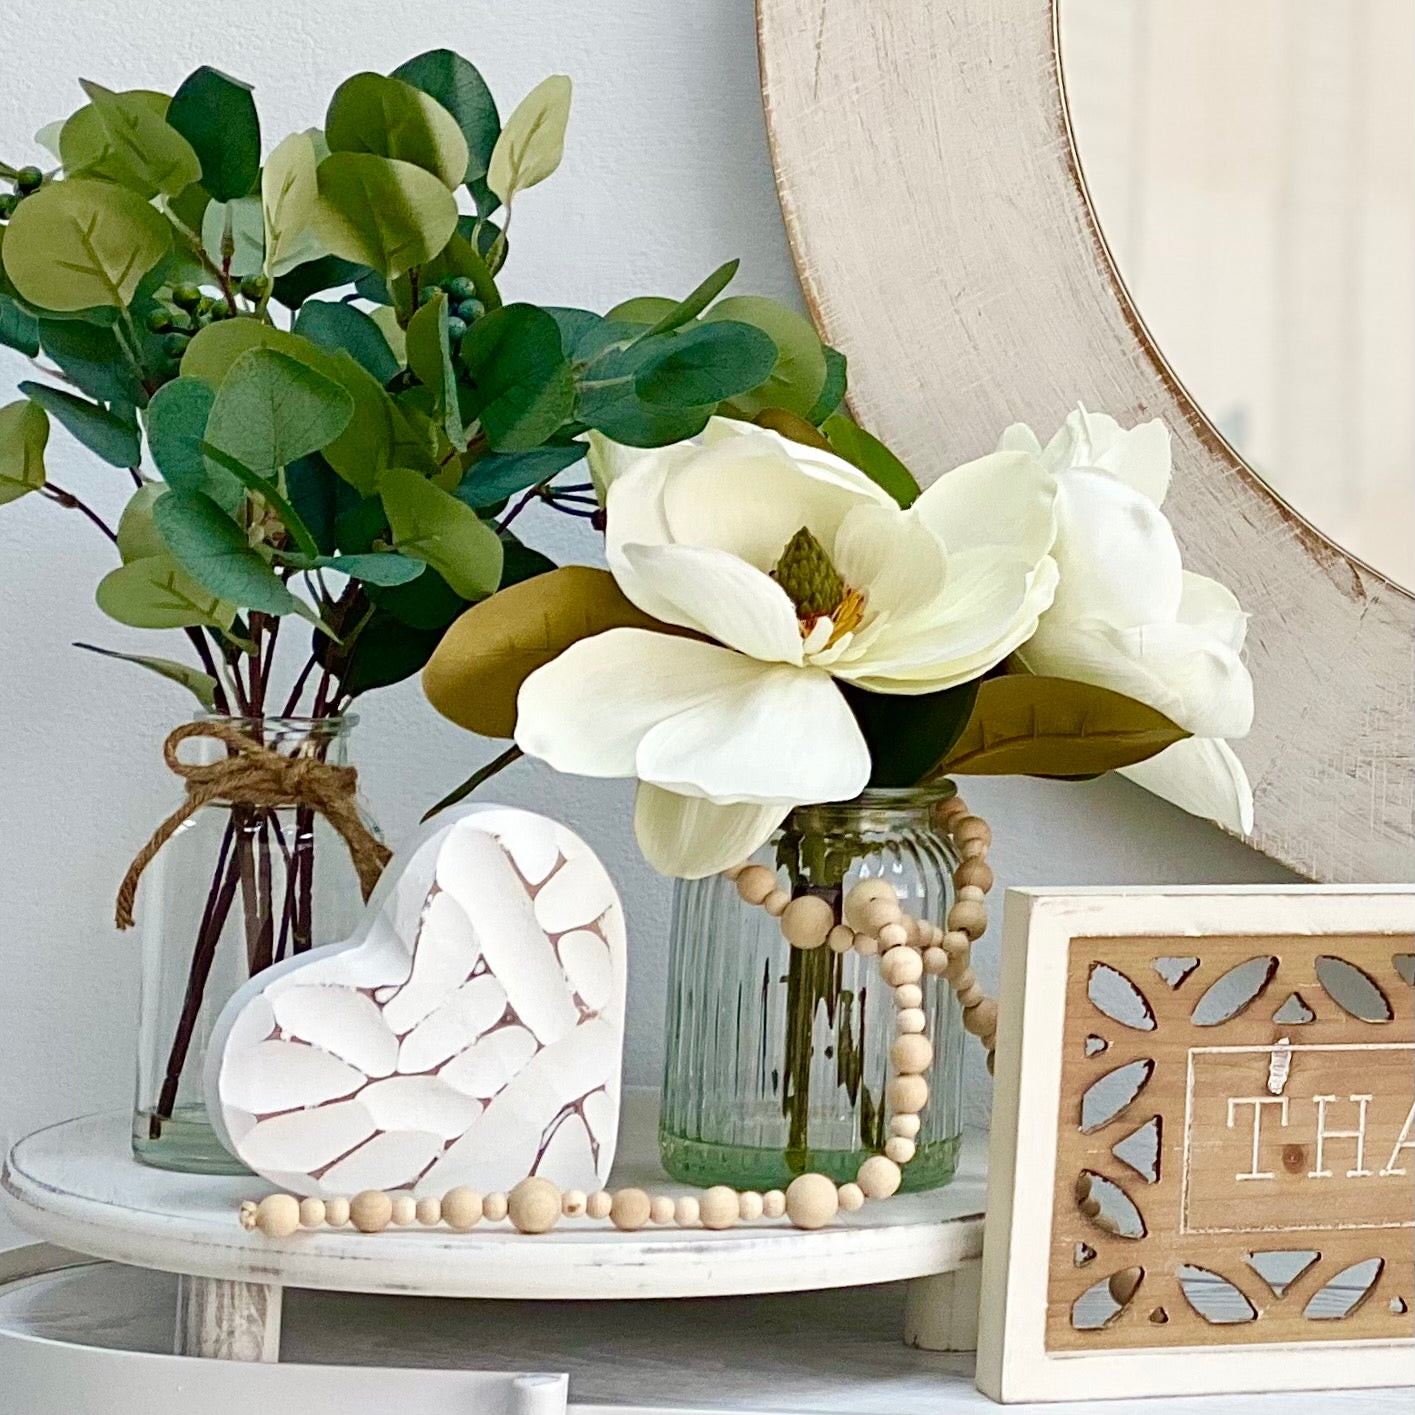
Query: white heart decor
pixel 470 1031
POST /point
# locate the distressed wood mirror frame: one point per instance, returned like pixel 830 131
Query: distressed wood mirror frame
pixel 940 223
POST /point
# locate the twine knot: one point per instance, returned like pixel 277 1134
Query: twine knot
pixel 255 775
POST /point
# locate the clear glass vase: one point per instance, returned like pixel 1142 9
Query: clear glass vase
pixel 236 889
pixel 777 1058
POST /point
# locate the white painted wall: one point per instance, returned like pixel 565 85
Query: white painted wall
pixel 666 175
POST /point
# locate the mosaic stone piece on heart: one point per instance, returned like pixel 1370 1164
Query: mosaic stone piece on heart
pixel 470 1032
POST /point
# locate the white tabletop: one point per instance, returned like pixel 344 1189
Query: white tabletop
pixel 77 1185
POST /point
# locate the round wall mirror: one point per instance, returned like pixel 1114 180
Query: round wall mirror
pixel 1252 170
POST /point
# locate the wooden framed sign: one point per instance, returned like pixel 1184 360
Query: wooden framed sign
pixel 1202 1176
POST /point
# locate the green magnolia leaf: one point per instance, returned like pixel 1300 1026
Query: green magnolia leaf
pixel 429 602
pixel 871 456
pixel 289 191
pixel 461 90
pixel 703 364
pixel 690 308
pixel 833 393
pixel 521 563
pixel 233 235
pixel 379 568
pixel 433 526
pixel 155 593
pixel 125 138
pixel 78 244
pixel 797 377
pixel 475 674
pixel 201 685
pixel 495 477
pixel 335 325
pixel 429 350
pixel 386 651
pixel 909 734
pixel 217 116
pixel 520 383
pixel 381 212
pixel 114 440
pixel 18 328
pixel 137 533
pixel 793 426
pixel 385 320
pixel 92 357
pixel 213 550
pixel 1032 726
pixel 533 141
pixel 390 118
pixel 272 409
pixel 24 430
pixel 176 428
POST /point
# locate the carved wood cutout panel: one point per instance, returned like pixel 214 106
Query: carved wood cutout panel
pixel 1236 1142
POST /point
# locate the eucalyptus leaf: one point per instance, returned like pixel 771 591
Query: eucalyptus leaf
pixel 429 602
pixel 430 358
pixel 606 399
pixel 213 550
pixel 18 328
pixel 93 359
pixel 909 734
pixel 797 378
pixel 521 563
pixel 289 191
pixel 1023 725
pixel 833 392
pixel 461 90
pixel 312 277
pixel 201 685
pixel 125 138
pixel 24 431
pixel 694 304
pixel 533 140
pixel 431 525
pixel 77 244
pixel 378 568
pixel 267 488
pixel 216 114
pixel 643 309
pixel 391 118
pixel 457 257
pixel 519 381
pixel 383 213
pixel 501 474
pixel 241 224
pixel 703 364
pixel 335 325
pixel 155 593
pixel 872 457
pixel 176 427
pixel 137 533
pixel 386 651
pixel 319 496
pixel 102 432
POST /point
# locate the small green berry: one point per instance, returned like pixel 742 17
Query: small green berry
pixel 255 287
pixel 456 328
pixel 219 310
pixel 471 310
pixel 460 287
pixel 8 203
pixel 176 344
pixel 187 296
pixel 29 179
pixel 159 321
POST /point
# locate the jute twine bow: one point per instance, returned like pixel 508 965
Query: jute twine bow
pixel 254 775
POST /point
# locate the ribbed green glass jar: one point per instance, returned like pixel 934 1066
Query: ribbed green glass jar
pixel 777 1058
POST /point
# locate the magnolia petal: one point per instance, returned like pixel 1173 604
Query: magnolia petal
pixel 1205 604
pixel 1139 456
pixel 608 461
pixel 1018 437
pixel 721 596
pixel 893 557
pixel 691 838
pixel 814 461
pixel 634 515
pixel 1202 776
pixel 1118 556
pixel 1005 498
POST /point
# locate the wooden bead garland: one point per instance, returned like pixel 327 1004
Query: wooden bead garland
pixel 871 922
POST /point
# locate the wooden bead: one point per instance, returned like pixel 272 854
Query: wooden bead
pixel 967 828
pixel 494 1207
pixel 807 920
pixel 717 1207
pixel 973 849
pixel 935 961
pixel 946 812
pixel 461 1208
pixel 893 936
pixel 599 1204
pixel 908 995
pixel 954 941
pixel 841 939
pixel 911 1054
pixel 534 1205
pixel 749 1205
pixel 879 1177
pixel 773 1203
pixel 974 872
pixel 278 1215
pixel 311 1213
pixel 969 917
pixel 811 1201
pixel 851 1197
pixel 662 1209
pixel 906 1125
pixel 981 1019
pixel 907 1095
pixel 900 966
pixel 910 1019
pixel 881 913
pixel 971 894
pixel 336 1212
pixel 866 945
pixel 429 1211
pixel 405 1211
pixel 960 967
pixel 776 903
pixel 861 894
pixel 755 883
pixel 630 1209
pixel 370 1211
pixel 970 994
pixel 687 1211
pixel 900 1150
pixel 574 1203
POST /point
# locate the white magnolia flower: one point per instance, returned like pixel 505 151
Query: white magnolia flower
pixel 1128 616
pixel 727 731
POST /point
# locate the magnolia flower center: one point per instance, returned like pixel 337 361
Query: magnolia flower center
pixel 827 609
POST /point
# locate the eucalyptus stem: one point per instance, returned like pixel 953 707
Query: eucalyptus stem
pixel 70 502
